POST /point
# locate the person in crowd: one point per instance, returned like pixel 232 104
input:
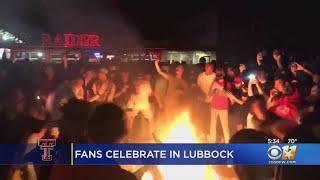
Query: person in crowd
pixel 104 116
pixel 262 65
pixel 279 60
pixel 49 83
pixel 273 67
pixel 147 76
pixel 77 88
pixel 124 89
pixel 139 104
pixel 35 111
pixel 284 101
pixel 238 110
pixel 65 92
pixel 30 127
pixel 307 132
pixel 204 82
pixel 24 115
pixel 88 81
pixel 113 69
pixel 177 87
pixel 242 70
pixel 219 106
pixel 232 72
pixel 297 69
pixel 248 172
pixel 302 78
pixel 261 119
pixel 264 82
pixel 255 84
pixel 160 89
pixel 78 112
pixel 103 89
pixel 73 128
pixel 314 95
pixel 159 92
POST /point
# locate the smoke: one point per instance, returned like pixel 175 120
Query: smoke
pixel 31 18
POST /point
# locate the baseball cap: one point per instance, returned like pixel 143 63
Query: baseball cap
pixel 238 79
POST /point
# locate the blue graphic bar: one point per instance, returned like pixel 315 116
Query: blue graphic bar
pixel 49 152
pixel 197 154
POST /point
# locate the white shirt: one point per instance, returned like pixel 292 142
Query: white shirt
pixel 204 82
pixel 140 101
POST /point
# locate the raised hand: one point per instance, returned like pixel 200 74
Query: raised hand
pixel 299 67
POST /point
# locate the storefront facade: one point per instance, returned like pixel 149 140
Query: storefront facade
pixel 77 46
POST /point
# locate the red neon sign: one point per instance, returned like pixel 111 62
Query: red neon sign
pixel 71 40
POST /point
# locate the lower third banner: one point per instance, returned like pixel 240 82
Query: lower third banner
pixel 197 154
pixel 49 152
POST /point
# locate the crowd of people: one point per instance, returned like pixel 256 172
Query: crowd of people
pixel 110 102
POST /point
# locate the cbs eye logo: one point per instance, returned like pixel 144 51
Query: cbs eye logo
pixel 285 152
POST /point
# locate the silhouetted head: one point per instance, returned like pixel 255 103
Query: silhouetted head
pixel 259 57
pixel 74 123
pixel 252 172
pixel 276 54
pixel 107 124
pixel 249 136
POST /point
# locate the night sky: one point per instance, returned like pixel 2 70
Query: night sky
pixel 174 24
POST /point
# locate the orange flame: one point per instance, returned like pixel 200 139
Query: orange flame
pixel 182 131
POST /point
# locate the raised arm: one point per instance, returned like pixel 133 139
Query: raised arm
pixel 234 99
pixel 112 93
pixel 157 97
pixel 96 96
pixel 214 86
pixel 250 90
pixel 163 74
pixel 301 68
pixel 211 89
pixel 260 91
pixel 65 61
pixel 270 100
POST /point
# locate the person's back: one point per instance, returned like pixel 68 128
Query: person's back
pixel 307 132
pixel 249 172
pixel 106 125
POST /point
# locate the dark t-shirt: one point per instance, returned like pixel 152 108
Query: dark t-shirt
pixel 238 111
